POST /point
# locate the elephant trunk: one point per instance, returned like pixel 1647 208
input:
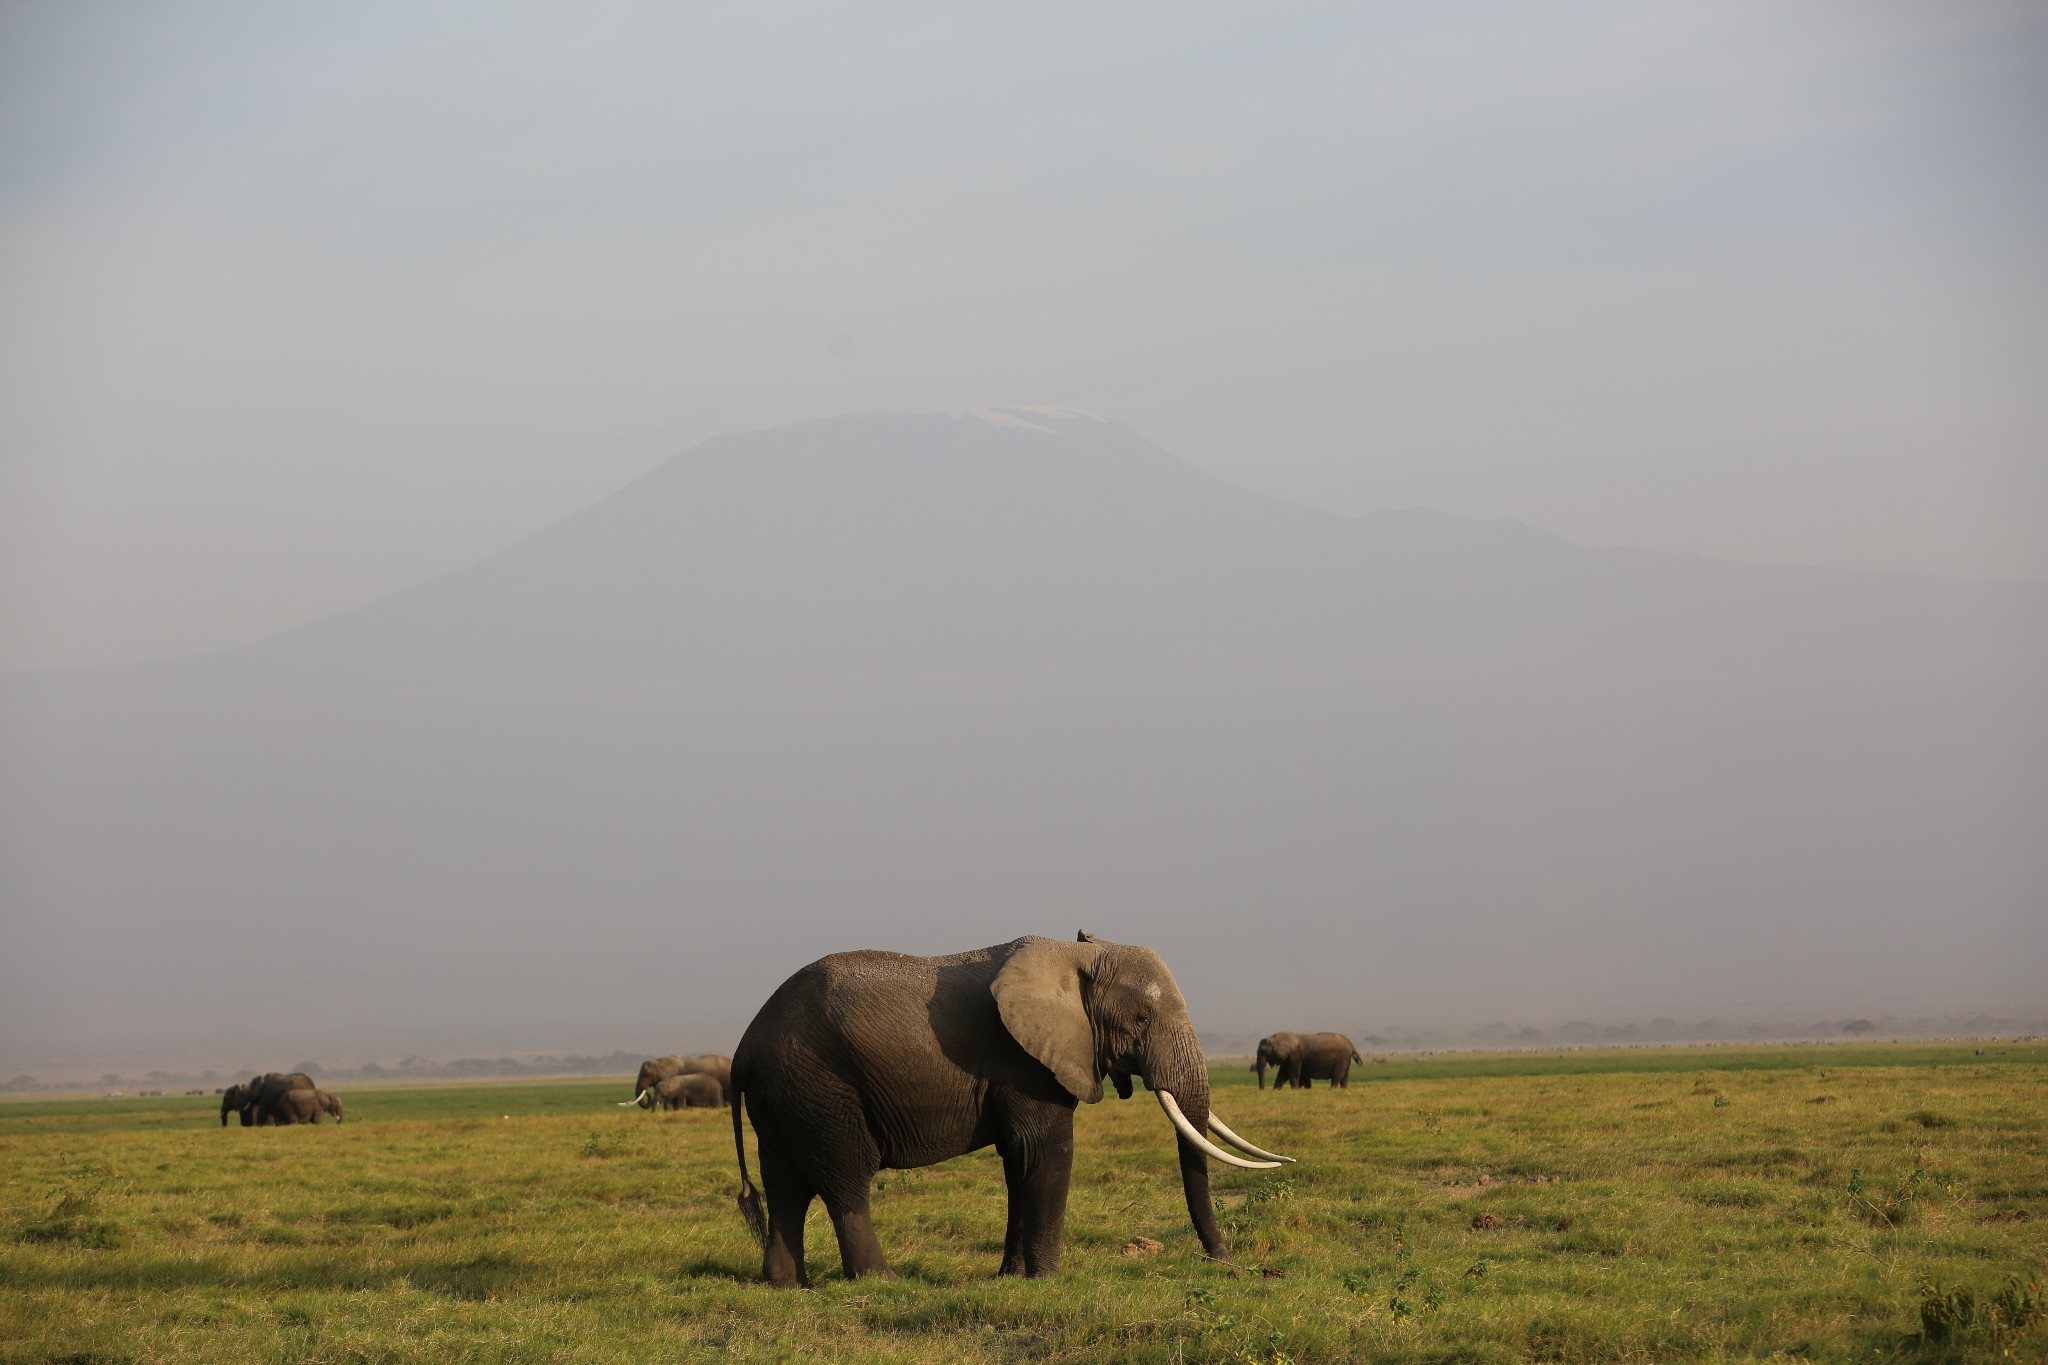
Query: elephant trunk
pixel 1181 1082
pixel 1194 1179
pixel 1260 1067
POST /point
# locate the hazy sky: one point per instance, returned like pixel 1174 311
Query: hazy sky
pixel 301 304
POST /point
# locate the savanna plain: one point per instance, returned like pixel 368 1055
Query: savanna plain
pixel 1865 1202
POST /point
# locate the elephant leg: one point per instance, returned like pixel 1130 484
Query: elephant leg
pixel 846 1189
pixel 789 1199
pixel 1037 1171
pixel 860 1251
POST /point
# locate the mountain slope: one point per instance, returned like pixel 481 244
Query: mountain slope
pixel 931 681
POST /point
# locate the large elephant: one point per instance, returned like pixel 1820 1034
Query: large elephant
pixel 655 1070
pixel 866 1061
pixel 691 1091
pixel 263 1098
pixel 1304 1057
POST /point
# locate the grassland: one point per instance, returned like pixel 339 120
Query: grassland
pixel 1644 1205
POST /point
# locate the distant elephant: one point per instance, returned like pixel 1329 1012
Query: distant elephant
pixel 1304 1057
pixel 234 1100
pixel 298 1106
pixel 692 1091
pixel 331 1105
pixel 263 1097
pixel 655 1070
pixel 867 1061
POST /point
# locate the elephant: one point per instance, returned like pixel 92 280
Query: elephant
pixel 692 1091
pixel 865 1061
pixel 263 1098
pixel 234 1100
pixel 298 1106
pixel 331 1105
pixel 1304 1057
pixel 655 1070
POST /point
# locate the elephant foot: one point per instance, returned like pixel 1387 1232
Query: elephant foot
pixel 782 1273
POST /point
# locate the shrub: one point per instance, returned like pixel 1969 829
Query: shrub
pixel 600 1145
pixel 74 1218
pixel 1951 1314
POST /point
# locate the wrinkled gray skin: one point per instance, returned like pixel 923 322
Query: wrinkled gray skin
pixel 655 1070
pixel 866 1061
pixel 1304 1057
pixel 693 1091
pixel 263 1098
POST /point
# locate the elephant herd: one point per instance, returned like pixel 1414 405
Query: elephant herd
pixel 870 1061
pixel 275 1099
pixel 703 1081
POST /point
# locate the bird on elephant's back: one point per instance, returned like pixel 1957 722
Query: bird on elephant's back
pixel 866 1061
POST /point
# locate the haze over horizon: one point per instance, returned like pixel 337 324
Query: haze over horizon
pixel 926 681
pixel 512 534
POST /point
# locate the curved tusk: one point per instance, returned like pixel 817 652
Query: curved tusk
pixel 1188 1131
pixel 1223 1131
pixel 637 1099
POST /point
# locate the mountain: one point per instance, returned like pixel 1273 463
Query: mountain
pixel 931 681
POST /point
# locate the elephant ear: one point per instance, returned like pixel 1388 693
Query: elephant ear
pixel 1039 995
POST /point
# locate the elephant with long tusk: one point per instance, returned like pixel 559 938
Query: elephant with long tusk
pixel 868 1061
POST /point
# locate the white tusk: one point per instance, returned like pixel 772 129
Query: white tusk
pixel 628 1104
pixel 1223 1131
pixel 1188 1131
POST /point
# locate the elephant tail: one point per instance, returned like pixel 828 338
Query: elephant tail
pixel 1356 1058
pixel 749 1197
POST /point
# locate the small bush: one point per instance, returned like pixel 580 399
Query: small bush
pixel 74 1218
pixel 1952 1314
pixel 1269 1192
pixel 93 1234
pixel 1946 1313
pixel 601 1145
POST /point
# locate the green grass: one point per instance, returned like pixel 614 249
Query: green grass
pixel 1640 1204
